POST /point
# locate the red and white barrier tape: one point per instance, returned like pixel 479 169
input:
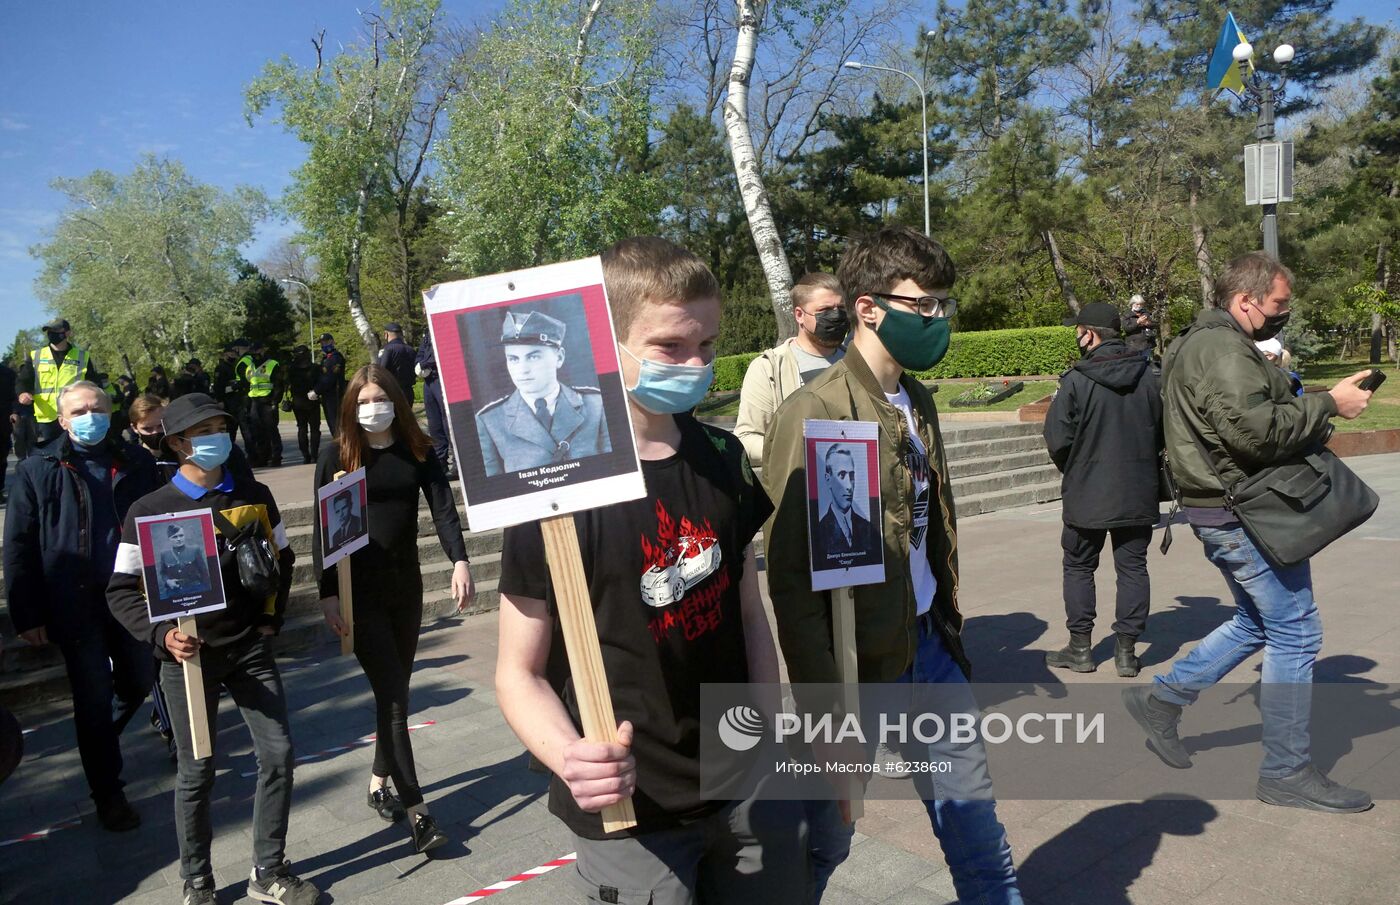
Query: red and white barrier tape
pixel 532 873
pixel 341 749
pixel 44 833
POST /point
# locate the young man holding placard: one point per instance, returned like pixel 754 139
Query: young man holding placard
pixel 675 596
pixel 897 284
pixel 233 647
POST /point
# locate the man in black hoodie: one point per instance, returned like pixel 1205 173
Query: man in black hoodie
pixel 1104 431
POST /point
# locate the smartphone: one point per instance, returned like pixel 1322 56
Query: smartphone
pixel 1373 380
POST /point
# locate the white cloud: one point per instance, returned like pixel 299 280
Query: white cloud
pixel 12 125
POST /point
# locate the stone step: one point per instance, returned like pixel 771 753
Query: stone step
pixel 961 469
pixel 298 512
pixel 429 548
pixel 968 432
pixel 994 501
pixel 1005 480
pixel 996 446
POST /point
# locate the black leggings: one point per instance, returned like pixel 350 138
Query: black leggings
pixel 388 614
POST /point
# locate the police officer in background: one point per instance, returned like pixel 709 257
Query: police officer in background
pixel 266 386
pixel 542 422
pixel 433 404
pixel 191 379
pixel 224 387
pixel 331 386
pixel 397 357
pixel 8 418
pixel 302 377
pixel 47 370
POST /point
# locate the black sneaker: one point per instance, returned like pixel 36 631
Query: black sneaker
pixel 199 892
pixel 1312 790
pixel 279 886
pixel 1159 720
pixel 117 815
pixel 387 805
pixel 426 835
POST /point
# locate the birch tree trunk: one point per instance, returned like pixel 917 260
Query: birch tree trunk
pixel 1198 242
pixel 746 168
pixel 1061 273
pixel 353 259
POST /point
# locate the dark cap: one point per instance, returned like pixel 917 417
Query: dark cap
pixel 57 323
pixel 531 328
pixel 187 411
pixel 301 350
pixel 194 363
pixel 325 338
pixel 242 341
pixel 1096 314
pixel 393 327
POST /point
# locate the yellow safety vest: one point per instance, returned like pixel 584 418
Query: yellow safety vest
pixel 260 379
pixel 50 377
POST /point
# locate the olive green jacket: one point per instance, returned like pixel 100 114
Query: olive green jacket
pixel 885 630
pixel 1219 389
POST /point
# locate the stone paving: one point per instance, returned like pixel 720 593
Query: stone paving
pixel 1227 852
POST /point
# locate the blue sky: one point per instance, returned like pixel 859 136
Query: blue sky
pixel 93 84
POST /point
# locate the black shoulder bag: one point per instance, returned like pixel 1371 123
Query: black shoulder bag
pixel 258 571
pixel 1296 508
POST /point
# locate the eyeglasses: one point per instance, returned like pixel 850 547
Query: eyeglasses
pixel 925 305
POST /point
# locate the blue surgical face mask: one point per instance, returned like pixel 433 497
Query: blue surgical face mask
pixel 211 451
pixel 666 389
pixel 90 429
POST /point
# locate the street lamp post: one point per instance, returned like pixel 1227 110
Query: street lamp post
pixel 923 106
pixel 310 312
pixel 1263 92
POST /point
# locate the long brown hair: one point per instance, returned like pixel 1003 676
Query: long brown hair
pixel 405 427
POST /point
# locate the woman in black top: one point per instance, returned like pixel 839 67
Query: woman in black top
pixel 379 433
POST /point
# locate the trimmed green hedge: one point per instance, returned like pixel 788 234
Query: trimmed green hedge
pixel 985 353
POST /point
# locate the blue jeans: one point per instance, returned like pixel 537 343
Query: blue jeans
pixel 1274 610
pixel 973 840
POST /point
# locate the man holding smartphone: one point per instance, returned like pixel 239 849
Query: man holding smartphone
pixel 1224 400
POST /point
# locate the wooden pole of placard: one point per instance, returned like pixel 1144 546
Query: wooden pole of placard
pixel 581 643
pixel 843 624
pixel 347 606
pixel 194 695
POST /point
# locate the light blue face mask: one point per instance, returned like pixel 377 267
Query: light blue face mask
pixel 90 429
pixel 209 452
pixel 666 389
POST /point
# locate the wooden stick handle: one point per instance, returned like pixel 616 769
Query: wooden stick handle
pixel 843 625
pixel 581 643
pixel 347 606
pixel 194 695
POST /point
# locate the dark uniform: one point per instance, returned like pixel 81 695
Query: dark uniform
pixel 302 378
pixel 43 373
pixel 183 572
pixel 191 379
pixel 224 388
pixel 515 435
pixel 434 404
pixel 332 383
pixel 266 383
pixel 397 358
pixel 9 405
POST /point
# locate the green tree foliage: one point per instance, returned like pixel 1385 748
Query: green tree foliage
pixel 146 263
pixel 268 314
pixel 545 157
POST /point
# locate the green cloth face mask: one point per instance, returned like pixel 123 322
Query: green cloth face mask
pixel 915 342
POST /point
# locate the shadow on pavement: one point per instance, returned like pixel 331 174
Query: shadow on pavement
pixel 1096 860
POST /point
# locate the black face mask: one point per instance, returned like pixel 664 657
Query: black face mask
pixel 831 326
pixel 56 337
pixel 152 441
pixel 1273 324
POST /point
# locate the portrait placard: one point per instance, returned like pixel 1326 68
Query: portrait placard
pixel 843 503
pixel 180 565
pixel 538 415
pixel 343 506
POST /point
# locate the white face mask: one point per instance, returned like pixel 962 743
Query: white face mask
pixel 376 416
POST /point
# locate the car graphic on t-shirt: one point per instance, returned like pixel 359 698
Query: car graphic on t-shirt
pixel 690 562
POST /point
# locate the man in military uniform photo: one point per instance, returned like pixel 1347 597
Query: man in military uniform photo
pixel 542 422
pixel 182 568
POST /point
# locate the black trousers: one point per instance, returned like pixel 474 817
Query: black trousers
pixel 24 436
pixel 308 429
pixel 46 431
pixel 388 609
pixel 331 406
pixel 265 443
pixel 1082 547
pixel 5 437
pixel 105 663
pixel 437 420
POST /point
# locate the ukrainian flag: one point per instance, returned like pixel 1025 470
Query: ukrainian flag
pixel 1224 72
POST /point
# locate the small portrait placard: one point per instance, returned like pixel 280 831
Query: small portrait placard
pixel 538 415
pixel 343 505
pixel 843 503
pixel 180 564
